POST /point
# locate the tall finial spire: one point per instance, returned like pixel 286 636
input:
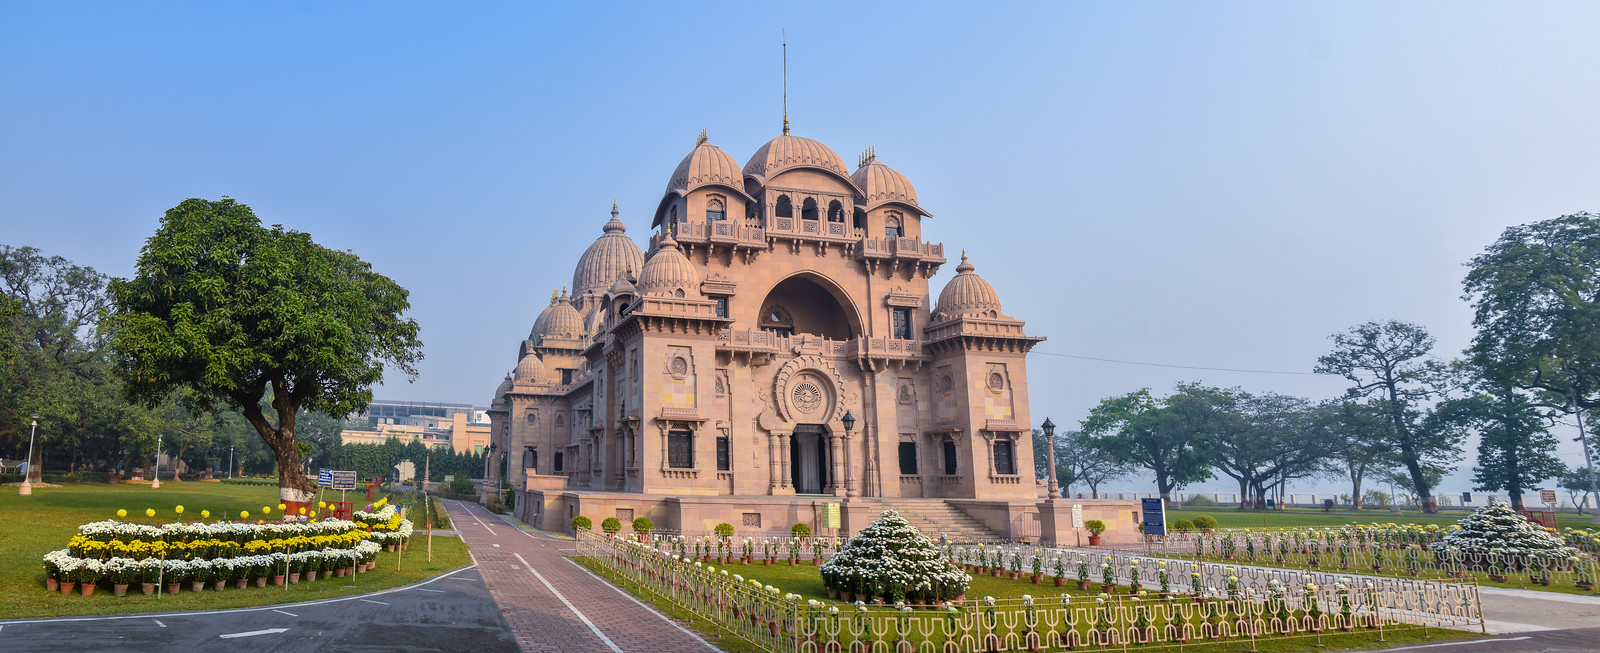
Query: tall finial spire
pixel 701 140
pixel 613 209
pixel 785 83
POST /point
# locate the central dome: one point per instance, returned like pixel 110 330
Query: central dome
pixel 788 152
pixel 610 255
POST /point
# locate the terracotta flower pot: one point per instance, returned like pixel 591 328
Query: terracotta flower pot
pixel 277 579
pixel 1083 585
pixel 311 575
pixel 86 589
pixel 261 582
pixel 1036 578
pixel 119 589
pixel 1094 540
pixel 240 583
pixel 196 585
pixel 52 584
pixel 149 588
pixel 1060 582
pixel 172 588
pixel 67 586
pixel 217 586
pixel 294 578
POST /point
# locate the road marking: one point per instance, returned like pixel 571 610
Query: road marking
pixel 419 589
pixel 480 521
pixel 253 633
pixel 496 546
pixel 287 613
pixel 569 605
pixel 341 599
pixel 377 602
pixel 158 623
pixel 1477 641
pixel 642 605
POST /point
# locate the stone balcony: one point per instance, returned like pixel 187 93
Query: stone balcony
pixel 757 341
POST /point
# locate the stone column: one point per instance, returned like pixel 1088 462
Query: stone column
pixel 783 461
pixel 772 463
pixel 1050 463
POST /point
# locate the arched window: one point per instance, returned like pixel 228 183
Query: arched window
pixel 835 211
pixel 861 220
pixel 808 209
pixel 892 228
pixel 716 211
pixel 785 208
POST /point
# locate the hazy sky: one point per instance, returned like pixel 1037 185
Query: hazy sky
pixel 1199 184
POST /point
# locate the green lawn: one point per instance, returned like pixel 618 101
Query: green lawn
pixel 805 581
pixel 1228 517
pixel 34 525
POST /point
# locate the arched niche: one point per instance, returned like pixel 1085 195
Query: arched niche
pixel 809 303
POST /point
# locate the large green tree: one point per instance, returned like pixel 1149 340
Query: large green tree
pixel 235 311
pixel 1359 433
pixel 1168 436
pixel 1392 364
pixel 1535 293
pixel 1516 450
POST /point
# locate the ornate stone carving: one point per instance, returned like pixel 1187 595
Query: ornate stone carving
pixel 820 374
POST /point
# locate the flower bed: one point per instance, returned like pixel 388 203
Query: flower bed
pixel 202 554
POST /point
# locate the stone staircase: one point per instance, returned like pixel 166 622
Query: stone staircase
pixel 935 517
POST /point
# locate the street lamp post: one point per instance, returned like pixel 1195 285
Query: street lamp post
pixel 27 487
pixel 849 422
pixel 230 461
pixel 155 483
pixel 1050 457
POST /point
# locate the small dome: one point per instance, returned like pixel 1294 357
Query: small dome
pixel 668 271
pixel 621 287
pixel 968 294
pixel 611 254
pixel 544 316
pixel 500 392
pixel 530 370
pixel 562 320
pixel 881 184
pixel 707 165
pixel 788 152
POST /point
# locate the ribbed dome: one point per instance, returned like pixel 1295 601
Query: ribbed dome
pixel 612 254
pixel 562 320
pixel 707 165
pixel 786 152
pixel 881 184
pixel 544 317
pixel 530 370
pixel 500 392
pixel 668 271
pixel 968 294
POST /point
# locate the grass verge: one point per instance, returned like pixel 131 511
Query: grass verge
pixel 34 525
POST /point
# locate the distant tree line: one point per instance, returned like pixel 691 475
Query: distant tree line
pixel 1533 363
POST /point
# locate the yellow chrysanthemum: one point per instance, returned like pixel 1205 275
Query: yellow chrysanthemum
pixel 122 513
pixel 149 512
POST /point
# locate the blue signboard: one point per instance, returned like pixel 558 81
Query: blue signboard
pixel 325 477
pixel 1155 516
pixel 342 480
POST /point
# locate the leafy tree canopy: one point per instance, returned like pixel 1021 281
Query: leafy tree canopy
pixel 234 311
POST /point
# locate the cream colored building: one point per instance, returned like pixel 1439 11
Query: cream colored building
pixel 708 377
pixel 454 431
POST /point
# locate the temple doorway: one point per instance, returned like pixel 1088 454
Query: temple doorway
pixel 808 459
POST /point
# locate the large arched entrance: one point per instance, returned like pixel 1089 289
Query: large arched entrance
pixel 809 459
pixel 809 304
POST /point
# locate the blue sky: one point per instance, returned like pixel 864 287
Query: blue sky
pixel 1205 184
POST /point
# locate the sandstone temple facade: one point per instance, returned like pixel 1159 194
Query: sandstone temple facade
pixel 774 348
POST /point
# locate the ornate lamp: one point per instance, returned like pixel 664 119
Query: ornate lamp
pixel 1049 428
pixel 848 420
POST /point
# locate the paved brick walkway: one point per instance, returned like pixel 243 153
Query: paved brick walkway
pixel 550 602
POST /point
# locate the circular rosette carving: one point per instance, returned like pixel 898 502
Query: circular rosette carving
pixel 808 390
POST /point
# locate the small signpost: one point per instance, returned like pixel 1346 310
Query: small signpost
pixel 1548 497
pixel 1077 522
pixel 1155 516
pixel 334 479
pixel 830 515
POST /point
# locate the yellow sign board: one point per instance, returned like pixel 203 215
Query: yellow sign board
pixel 830 515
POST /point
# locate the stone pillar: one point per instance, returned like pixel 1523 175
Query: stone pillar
pixel 772 463
pixel 783 462
pixel 1050 463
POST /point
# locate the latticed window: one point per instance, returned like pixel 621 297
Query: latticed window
pixel 1005 459
pixel 680 449
pixel 724 457
pixel 908 458
pixel 902 323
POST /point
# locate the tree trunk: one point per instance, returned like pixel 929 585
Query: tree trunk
pixel 1356 473
pixel 1516 500
pixel 177 461
pixel 294 488
pixel 1244 491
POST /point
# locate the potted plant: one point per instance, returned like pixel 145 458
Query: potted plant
pixel 1083 574
pixel 149 575
pixel 89 573
pixel 199 574
pixel 581 523
pixel 611 525
pixel 642 527
pixel 1061 572
pixel 1096 527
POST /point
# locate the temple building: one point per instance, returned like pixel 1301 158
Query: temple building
pixel 773 349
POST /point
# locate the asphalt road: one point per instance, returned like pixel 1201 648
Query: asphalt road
pixel 452 612
pixel 1577 640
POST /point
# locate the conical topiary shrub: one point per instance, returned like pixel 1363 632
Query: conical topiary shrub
pixel 1498 530
pixel 890 559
